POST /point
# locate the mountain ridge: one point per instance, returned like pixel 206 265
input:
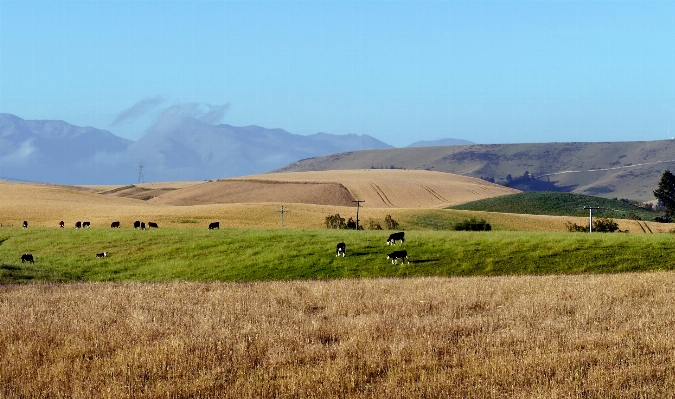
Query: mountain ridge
pixel 175 147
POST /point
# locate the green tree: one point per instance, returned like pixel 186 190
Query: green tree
pixel 666 192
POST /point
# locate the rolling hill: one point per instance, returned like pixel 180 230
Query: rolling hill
pixel 618 169
pixel 558 204
pixel 378 188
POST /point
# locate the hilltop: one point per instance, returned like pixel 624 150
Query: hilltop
pixel 618 169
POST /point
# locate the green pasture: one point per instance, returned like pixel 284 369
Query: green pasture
pixel 264 254
pixel 558 204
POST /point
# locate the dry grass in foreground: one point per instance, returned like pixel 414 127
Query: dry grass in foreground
pixel 594 336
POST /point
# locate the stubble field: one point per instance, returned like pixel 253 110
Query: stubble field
pixel 599 336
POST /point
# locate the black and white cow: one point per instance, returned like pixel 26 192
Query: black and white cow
pixel 396 237
pixel 214 225
pixel 78 225
pixel 341 249
pixel 27 258
pixel 142 225
pixel 115 225
pixel 137 224
pixel 396 255
pixel 102 255
pixel 25 224
pixel 86 225
pixel 152 224
pixel 62 224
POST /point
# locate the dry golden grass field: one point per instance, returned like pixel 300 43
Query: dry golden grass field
pixel 46 205
pixel 584 336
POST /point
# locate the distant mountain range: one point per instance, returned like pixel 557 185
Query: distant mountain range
pixel 629 170
pixel 176 147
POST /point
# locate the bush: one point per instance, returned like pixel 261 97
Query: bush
pixel 600 225
pixel 663 219
pixel 473 224
pixel 374 225
pixel 605 225
pixel 390 223
pixel 574 228
pixel 351 224
pixel 335 222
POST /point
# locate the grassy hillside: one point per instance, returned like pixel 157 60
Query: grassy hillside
pixel 557 204
pixel 261 254
pixel 619 169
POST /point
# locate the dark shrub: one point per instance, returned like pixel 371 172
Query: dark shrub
pixel 335 222
pixel 473 224
pixel 390 223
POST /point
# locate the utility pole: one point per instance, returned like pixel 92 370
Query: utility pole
pixel 590 216
pixel 141 178
pixel 282 211
pixel 358 205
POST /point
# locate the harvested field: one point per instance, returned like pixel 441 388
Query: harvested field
pixel 46 205
pixel 233 191
pixel 598 336
pixel 391 188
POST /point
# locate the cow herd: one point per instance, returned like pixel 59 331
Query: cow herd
pixel 341 249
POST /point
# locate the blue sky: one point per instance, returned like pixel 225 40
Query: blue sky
pixel 489 72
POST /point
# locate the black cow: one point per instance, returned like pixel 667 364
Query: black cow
pixel 78 225
pixel 115 225
pixel 142 225
pixel 396 255
pixel 102 255
pixel 86 225
pixel 25 224
pixel 396 237
pixel 341 249
pixel 61 224
pixel 152 224
pixel 27 258
pixel 214 225
pixel 137 225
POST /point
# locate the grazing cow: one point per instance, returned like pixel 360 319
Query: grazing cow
pixel 214 225
pixel 137 225
pixel 27 258
pixel 396 255
pixel 25 224
pixel 102 255
pixel 78 225
pixel 61 224
pixel 152 224
pixel 142 225
pixel 341 249
pixel 115 225
pixel 85 225
pixel 396 237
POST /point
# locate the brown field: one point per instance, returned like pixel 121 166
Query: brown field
pixel 392 188
pixel 46 205
pixel 599 336
pixel 378 188
pixel 232 191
